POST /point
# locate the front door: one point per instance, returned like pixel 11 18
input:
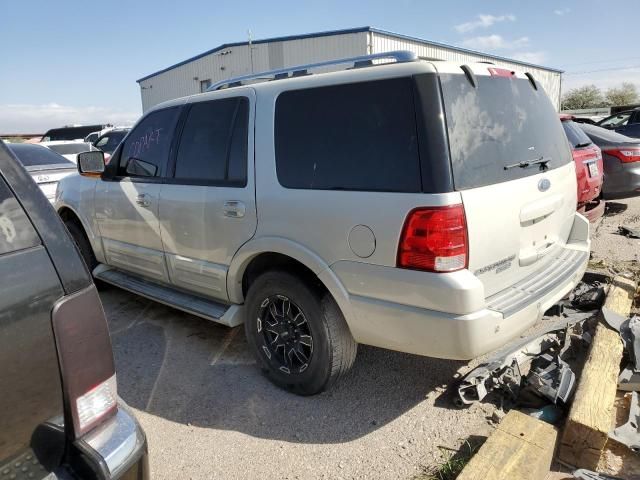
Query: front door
pixel 207 208
pixel 127 205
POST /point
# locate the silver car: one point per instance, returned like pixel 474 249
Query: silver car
pixel 421 206
pixel 45 166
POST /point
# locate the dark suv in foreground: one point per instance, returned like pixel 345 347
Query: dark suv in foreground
pixel 60 415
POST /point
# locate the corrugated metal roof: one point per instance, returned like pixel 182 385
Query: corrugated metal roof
pixel 343 32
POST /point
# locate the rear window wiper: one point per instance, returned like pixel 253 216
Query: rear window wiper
pixel 527 163
pixel 580 145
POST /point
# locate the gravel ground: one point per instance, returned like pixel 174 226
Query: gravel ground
pixel 609 247
pixel 209 413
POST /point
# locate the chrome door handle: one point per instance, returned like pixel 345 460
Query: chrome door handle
pixel 234 209
pixel 143 200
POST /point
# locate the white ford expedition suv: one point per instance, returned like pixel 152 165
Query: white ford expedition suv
pixel 421 206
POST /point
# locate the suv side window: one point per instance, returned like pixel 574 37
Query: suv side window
pixel 213 143
pixel 146 150
pixel 16 231
pixel 359 136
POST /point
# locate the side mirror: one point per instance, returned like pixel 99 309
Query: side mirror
pixel 91 162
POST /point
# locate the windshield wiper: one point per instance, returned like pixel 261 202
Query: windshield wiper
pixel 527 163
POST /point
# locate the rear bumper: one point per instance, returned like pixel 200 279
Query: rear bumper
pixel 493 322
pixel 593 210
pixel 621 180
pixel 118 447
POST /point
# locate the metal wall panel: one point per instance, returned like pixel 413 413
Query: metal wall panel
pixel 240 60
pixel 549 80
pixel 185 79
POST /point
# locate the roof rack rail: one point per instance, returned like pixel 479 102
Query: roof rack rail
pixel 400 56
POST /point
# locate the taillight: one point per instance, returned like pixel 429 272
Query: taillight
pixel 434 239
pixel 86 360
pixel 626 155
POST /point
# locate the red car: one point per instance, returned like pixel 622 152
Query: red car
pixel 589 169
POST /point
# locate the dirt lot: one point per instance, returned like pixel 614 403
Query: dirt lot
pixel 208 412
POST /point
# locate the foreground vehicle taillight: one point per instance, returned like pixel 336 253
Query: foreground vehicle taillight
pixel 626 155
pixel 86 360
pixel 434 239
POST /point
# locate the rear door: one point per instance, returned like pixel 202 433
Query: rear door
pixel 31 394
pixel 518 218
pixel 208 209
pixel 127 205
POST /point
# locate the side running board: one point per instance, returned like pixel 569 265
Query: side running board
pixel 230 315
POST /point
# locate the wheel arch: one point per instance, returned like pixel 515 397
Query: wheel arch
pixel 66 212
pixel 285 251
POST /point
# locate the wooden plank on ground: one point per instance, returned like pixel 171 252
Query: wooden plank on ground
pixel 520 448
pixel 592 411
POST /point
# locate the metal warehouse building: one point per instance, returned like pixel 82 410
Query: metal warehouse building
pixel 196 74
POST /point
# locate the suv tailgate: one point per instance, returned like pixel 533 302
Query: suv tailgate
pixel 519 215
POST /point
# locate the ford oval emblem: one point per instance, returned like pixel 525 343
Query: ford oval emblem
pixel 544 184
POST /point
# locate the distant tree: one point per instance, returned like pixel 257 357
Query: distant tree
pixel 625 94
pixel 588 96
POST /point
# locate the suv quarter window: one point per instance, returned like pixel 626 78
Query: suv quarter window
pixel 212 149
pixel 16 231
pixel 145 152
pixel 358 136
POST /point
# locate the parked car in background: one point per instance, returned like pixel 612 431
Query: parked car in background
pixel 589 169
pixel 626 123
pixel 108 141
pixel 68 150
pixel 92 137
pixel 410 211
pixel 621 160
pixel 71 132
pixel 60 412
pixel 45 166
pixel 588 120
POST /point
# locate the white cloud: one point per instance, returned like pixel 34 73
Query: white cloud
pixel 495 42
pixel 29 118
pixel 530 57
pixel 483 21
pixel 562 11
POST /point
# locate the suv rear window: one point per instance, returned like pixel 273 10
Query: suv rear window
pixel 577 138
pixel 359 136
pixel 501 122
pixel 70 148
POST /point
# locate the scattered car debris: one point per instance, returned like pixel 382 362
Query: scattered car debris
pixel 590 475
pixel 552 378
pixel 549 413
pixel 587 296
pixel 629 329
pixel 503 372
pixel 629 433
pixel 629 232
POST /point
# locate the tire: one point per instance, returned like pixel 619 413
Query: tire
pixel 82 242
pixel 329 352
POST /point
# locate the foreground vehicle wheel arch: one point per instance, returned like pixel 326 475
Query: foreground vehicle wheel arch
pixel 69 216
pixel 270 253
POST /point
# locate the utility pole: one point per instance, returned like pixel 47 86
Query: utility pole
pixel 250 50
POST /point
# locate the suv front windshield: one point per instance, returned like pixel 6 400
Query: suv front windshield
pixel 494 127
